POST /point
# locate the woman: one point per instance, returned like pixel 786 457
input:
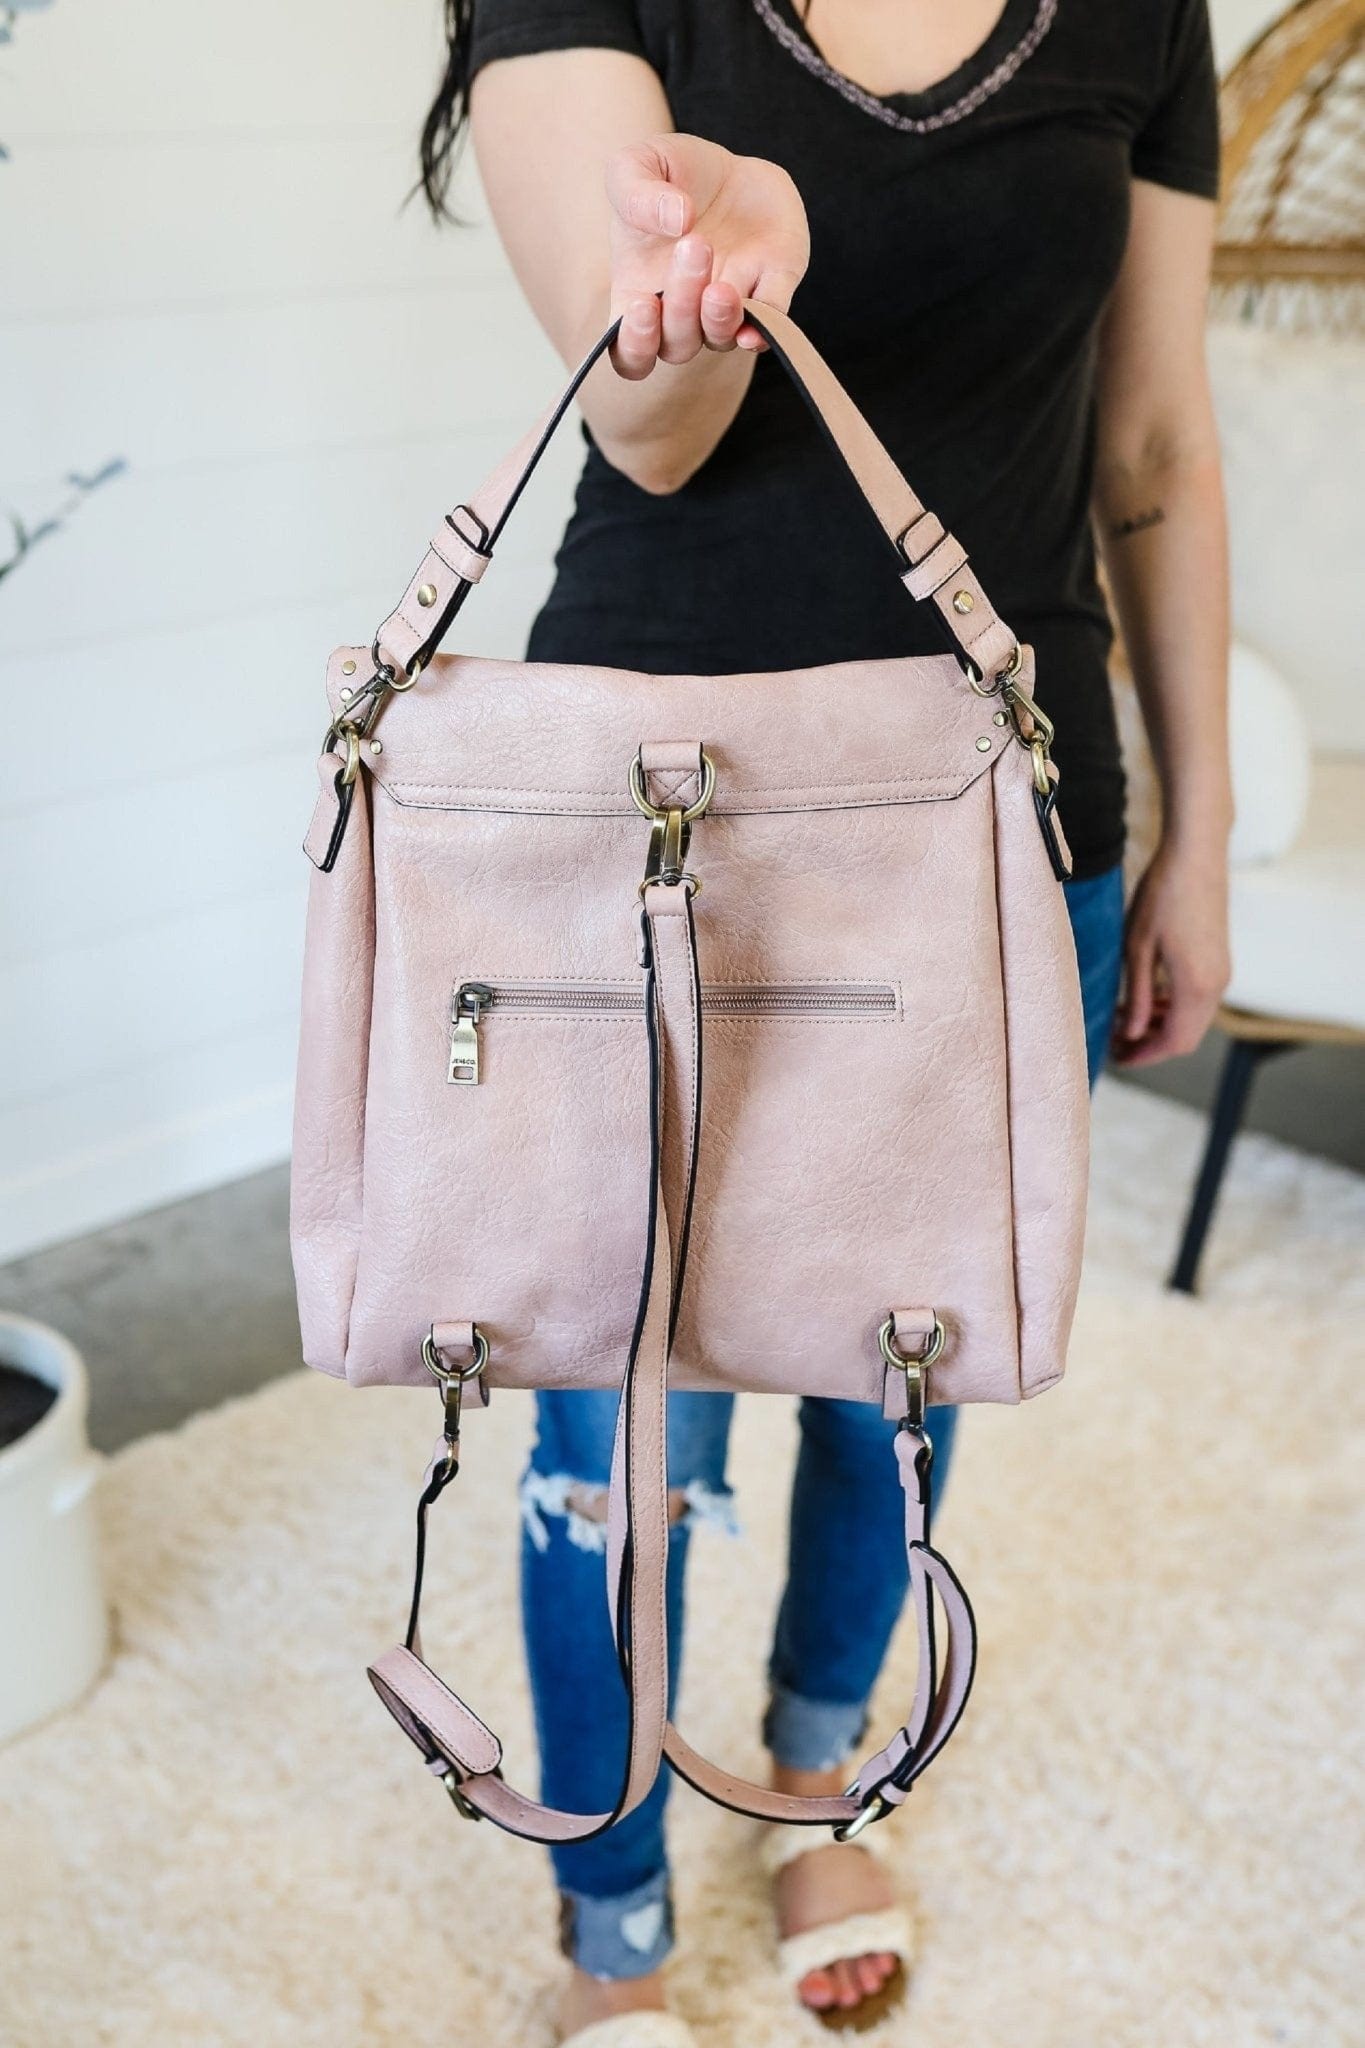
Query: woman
pixel 996 223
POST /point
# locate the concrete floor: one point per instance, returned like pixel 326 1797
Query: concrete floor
pixel 174 1311
pixel 189 1305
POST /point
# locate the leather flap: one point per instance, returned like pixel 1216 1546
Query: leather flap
pixel 477 734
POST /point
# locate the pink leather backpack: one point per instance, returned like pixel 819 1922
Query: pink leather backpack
pixel 689 1031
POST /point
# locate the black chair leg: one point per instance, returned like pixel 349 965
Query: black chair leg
pixel 1244 1055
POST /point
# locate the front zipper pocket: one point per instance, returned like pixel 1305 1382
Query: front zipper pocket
pixel 473 1001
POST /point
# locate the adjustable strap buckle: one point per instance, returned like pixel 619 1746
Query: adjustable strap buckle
pixel 457 1798
pixel 874 1808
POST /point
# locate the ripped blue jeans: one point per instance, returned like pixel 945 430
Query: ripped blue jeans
pixel 846 1583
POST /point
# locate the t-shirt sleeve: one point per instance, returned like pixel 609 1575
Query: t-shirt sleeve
pixel 520 28
pixel 1178 143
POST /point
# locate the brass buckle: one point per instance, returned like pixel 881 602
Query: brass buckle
pixel 876 1808
pixel 916 1370
pixel 457 1798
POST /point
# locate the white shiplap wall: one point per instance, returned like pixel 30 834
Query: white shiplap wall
pixel 204 267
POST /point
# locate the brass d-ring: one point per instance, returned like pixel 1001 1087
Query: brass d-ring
pixel 686 880
pixel 932 1352
pixel 431 1358
pixel 404 678
pixel 1003 677
pixel 350 766
pixel 1042 781
pixel 649 810
pixel 916 1370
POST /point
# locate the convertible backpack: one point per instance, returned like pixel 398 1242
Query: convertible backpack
pixel 690 1032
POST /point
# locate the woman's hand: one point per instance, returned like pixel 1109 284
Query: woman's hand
pixel 707 229
pixel 1176 961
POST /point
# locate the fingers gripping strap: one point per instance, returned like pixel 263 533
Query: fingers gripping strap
pixel 931 563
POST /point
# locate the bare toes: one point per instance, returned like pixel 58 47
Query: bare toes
pixel 817 1990
pixel 871 1976
pixel 846 1978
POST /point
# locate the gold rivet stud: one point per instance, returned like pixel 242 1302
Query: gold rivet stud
pixel 348 668
pixel 427 595
pixel 963 601
pixel 376 746
pixel 346 696
pixel 1000 719
pixel 983 745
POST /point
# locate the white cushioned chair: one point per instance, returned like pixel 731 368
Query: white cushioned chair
pixel 1290 410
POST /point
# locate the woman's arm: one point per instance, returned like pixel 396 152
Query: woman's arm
pixel 677 214
pixel 1159 508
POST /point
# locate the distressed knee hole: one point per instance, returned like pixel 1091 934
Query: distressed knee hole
pixel 582 1505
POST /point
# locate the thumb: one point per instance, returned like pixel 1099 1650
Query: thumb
pixel 776 285
pixel 1139 988
pixel 640 194
pixel 770 284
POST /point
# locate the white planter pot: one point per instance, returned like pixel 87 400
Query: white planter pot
pixel 54 1630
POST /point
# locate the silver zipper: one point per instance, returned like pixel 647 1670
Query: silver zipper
pixel 472 1001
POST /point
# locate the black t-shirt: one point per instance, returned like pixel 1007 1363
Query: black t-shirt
pixel 958 269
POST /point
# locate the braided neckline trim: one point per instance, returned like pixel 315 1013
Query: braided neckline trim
pixel 807 55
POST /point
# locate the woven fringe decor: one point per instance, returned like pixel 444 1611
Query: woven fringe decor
pixel 1291 242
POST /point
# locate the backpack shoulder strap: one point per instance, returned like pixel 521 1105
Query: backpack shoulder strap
pixel 455 1743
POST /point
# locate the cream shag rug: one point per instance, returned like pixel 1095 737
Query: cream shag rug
pixel 1146 1835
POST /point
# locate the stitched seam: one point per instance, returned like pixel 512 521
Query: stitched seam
pixel 992 621
pixel 662 1621
pixel 694 1019
pixel 674 788
pixel 614 795
pixel 997 824
pixel 943 546
pixel 424 575
pixel 633 981
pixel 922 587
pixel 468 1720
pixel 723 1017
pixel 940 536
pixel 459 804
pixel 472 556
pixel 453 567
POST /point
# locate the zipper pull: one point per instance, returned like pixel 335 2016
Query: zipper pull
pixel 465 1010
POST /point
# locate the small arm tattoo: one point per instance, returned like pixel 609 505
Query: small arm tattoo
pixel 1139 523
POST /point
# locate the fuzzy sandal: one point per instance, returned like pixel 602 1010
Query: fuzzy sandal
pixel 884 1932
pixel 635 2030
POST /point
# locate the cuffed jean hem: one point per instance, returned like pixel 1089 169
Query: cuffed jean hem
pixel 811 1735
pixel 625 1936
